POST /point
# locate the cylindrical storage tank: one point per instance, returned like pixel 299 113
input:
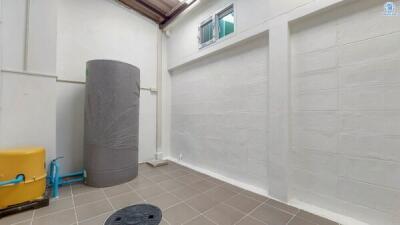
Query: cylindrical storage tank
pixel 111 122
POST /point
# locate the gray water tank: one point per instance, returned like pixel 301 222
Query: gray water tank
pixel 111 122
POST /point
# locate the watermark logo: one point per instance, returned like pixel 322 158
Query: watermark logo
pixel 390 9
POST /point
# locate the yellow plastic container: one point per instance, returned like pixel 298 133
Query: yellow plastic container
pixel 27 161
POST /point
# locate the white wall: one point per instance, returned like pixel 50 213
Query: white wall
pixel 93 29
pixel 346 112
pixel 70 114
pixel 28 100
pixel 219 113
pixel 183 43
pixel 62 35
pixel 340 103
pixel 28 112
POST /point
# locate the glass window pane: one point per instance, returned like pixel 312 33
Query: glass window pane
pixel 226 23
pixel 206 32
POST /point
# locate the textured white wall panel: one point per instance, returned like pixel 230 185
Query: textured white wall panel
pixel 70 120
pixel 219 113
pixel 371 196
pixel 381 47
pixel 313 61
pixel 346 119
pixel 13 34
pixel 29 112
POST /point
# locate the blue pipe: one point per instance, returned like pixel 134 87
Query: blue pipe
pixel 17 180
pixel 80 173
pixel 55 179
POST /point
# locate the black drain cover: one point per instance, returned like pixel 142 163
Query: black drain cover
pixel 142 214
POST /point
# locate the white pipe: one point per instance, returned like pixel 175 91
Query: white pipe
pixel 159 94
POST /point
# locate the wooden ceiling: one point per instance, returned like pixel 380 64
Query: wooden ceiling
pixel 160 11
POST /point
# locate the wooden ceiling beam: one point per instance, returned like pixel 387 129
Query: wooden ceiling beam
pixel 162 5
pixel 135 5
pixel 151 7
pixel 175 13
pixel 160 11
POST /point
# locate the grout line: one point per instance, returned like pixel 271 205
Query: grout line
pixel 52 213
pixel 22 221
pixel 290 220
pixel 202 213
pixel 73 203
pixel 249 213
pixel 298 210
pixel 33 216
pixel 108 200
pixel 91 218
pixel 87 203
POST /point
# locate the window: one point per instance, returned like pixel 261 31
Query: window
pixel 206 32
pixel 219 25
pixel 226 22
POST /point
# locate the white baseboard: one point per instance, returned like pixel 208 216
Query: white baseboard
pixel 245 186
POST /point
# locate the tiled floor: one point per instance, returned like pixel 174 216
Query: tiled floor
pixel 185 197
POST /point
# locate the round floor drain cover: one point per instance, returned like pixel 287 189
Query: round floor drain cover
pixel 142 214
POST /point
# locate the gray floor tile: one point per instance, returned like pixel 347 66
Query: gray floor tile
pixel 220 194
pixel 242 203
pixel 140 182
pixel 254 196
pixel 200 220
pixel 29 222
pixel 201 203
pixel 185 193
pixel 179 214
pixel 189 179
pixel 66 217
pixel 89 197
pixel 171 185
pixel 203 185
pixel 282 206
pixel 16 218
pixel 271 215
pixel 81 188
pixel 126 199
pixel 55 206
pixel 164 201
pixel 151 173
pixel 98 220
pixel 314 218
pixel 224 215
pixel 299 221
pixel 90 210
pixel 176 173
pixel 116 190
pixel 159 178
pixel 150 192
pixel 250 221
pixel 216 181
pixel 232 187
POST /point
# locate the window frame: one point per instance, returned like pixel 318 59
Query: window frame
pixel 204 22
pixel 222 13
pixel 215 25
